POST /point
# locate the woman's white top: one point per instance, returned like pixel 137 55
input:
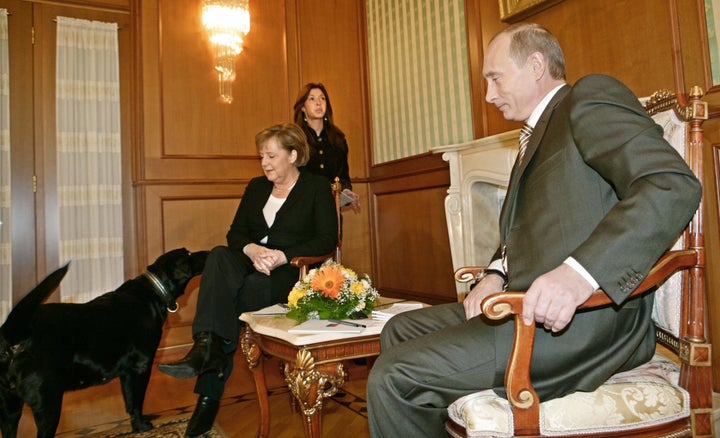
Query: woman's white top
pixel 270 210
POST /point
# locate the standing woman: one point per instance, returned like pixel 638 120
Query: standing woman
pixel 328 146
pixel 283 214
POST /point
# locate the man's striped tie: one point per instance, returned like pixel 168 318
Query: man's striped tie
pixel 525 133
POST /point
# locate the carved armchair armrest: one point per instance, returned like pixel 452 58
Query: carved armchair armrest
pixel 470 274
pixel 303 262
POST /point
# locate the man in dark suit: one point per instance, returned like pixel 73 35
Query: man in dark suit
pixel 595 197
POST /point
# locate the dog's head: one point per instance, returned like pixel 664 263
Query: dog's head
pixel 172 271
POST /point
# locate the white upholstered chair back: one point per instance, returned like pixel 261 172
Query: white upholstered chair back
pixel 668 302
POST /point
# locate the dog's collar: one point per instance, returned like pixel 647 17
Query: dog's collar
pixel 162 292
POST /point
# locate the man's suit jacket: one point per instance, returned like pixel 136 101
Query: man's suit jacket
pixel 599 183
pixel 305 225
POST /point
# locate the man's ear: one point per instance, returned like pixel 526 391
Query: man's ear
pixel 537 64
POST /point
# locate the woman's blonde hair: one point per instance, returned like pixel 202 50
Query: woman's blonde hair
pixel 290 137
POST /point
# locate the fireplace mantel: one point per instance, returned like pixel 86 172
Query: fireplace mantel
pixel 479 175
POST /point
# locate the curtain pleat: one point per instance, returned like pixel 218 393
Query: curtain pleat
pixel 89 158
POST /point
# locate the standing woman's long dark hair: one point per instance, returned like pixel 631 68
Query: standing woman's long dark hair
pixel 335 134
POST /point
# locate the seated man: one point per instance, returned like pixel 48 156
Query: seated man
pixel 581 213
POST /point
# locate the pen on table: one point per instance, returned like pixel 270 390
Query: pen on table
pixel 339 321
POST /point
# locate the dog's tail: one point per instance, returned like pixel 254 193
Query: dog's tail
pixel 17 324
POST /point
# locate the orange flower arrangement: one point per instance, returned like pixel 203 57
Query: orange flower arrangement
pixel 331 291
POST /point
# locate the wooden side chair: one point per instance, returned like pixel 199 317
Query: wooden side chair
pixel 658 399
pixel 303 262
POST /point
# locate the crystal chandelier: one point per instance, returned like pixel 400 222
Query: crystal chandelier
pixel 226 23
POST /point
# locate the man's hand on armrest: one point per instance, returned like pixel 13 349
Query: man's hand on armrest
pixel 554 297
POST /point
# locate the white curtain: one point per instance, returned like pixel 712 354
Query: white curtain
pixel 5 247
pixel 89 158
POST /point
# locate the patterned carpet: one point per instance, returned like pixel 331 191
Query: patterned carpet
pixel 170 428
pixel 172 423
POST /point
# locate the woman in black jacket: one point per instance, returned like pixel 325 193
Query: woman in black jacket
pixel 283 214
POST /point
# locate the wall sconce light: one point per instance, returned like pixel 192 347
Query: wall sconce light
pixel 226 23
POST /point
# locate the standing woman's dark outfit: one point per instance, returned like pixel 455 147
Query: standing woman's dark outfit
pixel 328 154
pixel 313 112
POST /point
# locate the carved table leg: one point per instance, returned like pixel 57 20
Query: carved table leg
pixel 310 384
pixel 254 358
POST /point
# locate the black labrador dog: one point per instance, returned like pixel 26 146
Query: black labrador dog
pixel 51 348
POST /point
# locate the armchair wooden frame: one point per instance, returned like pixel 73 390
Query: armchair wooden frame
pixel 692 347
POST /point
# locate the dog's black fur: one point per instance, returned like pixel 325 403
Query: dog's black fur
pixel 55 347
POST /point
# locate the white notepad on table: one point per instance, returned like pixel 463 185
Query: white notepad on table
pixel 274 310
pixel 325 326
pixel 388 312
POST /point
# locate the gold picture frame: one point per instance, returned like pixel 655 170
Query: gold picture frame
pixel 516 10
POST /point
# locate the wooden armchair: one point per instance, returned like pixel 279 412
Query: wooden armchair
pixel 658 399
pixel 304 262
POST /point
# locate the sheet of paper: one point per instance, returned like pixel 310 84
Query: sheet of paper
pixel 326 326
pixel 345 199
pixel 274 310
pixel 386 313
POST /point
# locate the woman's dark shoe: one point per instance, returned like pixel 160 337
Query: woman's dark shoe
pixel 203 417
pixel 206 355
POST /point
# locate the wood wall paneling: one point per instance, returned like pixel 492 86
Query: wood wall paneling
pixel 195 123
pixel 23 246
pixel 413 255
pixel 119 5
pixel 356 250
pixel 411 248
pixel 188 132
pixel 193 216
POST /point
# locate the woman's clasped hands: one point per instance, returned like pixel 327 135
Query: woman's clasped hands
pixel 265 259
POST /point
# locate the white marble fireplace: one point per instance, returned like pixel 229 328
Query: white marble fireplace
pixel 479 174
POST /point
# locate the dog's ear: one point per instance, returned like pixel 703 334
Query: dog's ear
pixel 17 324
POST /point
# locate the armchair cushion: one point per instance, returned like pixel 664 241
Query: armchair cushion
pixel 644 396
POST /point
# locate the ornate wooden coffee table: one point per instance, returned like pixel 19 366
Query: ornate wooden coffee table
pixel 313 362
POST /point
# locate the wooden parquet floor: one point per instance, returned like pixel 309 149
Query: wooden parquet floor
pixel 101 408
